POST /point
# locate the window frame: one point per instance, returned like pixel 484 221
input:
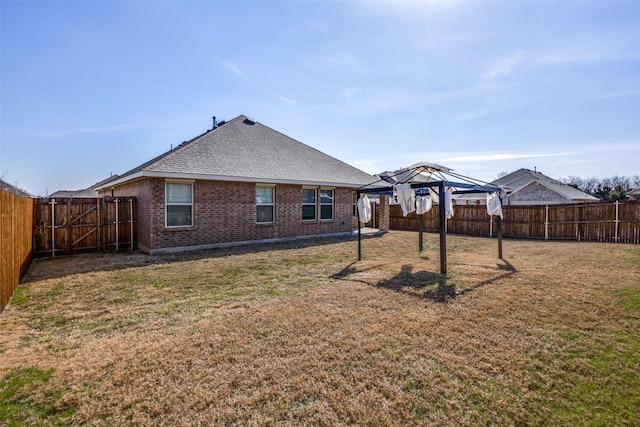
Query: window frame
pixel 314 204
pixel 272 204
pixel 167 204
pixel 332 204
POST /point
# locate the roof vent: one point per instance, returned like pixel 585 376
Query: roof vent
pixel 248 121
pixel 215 124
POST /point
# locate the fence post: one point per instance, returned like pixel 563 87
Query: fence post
pixel 617 220
pixel 98 225
pixel 131 220
pixel 69 227
pixel 53 227
pixel 13 220
pixel 117 230
pixel 546 222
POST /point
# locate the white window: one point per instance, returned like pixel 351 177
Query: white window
pixel 179 204
pixel 326 204
pixel 308 204
pixel 265 203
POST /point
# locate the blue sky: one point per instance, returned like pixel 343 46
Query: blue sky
pixel 94 88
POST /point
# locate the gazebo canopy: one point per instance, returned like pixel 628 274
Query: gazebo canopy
pixel 426 175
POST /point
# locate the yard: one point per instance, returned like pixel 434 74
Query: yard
pixel 301 334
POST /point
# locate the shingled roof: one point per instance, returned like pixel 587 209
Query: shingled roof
pixel 13 189
pixel 522 177
pixel 245 150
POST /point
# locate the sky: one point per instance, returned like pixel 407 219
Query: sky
pixel 90 89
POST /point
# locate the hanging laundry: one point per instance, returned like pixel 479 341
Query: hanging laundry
pixel 406 197
pixel 364 209
pixel 448 203
pixel 393 200
pixel 423 204
pixel 433 194
pixel 494 207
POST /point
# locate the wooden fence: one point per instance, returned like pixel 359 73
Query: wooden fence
pixel 63 226
pixel 16 216
pixel 602 222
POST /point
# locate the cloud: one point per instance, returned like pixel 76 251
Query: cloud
pixel 578 54
pixel 609 146
pixel 504 66
pixel 471 115
pixel 501 156
pixel 350 92
pixel 626 93
pixel 496 106
pixel 341 59
pixel 78 131
pixel 234 69
pixel 283 98
pixel 592 48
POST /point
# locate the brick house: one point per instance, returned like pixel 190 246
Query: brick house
pixel 527 187
pixel 240 182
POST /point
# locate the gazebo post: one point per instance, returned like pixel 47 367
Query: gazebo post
pixel 443 230
pixel 499 237
pixel 420 231
pixel 359 239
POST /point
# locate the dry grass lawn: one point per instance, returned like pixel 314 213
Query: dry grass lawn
pixel 301 334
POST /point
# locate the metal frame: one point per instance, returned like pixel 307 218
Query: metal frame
pixel 461 188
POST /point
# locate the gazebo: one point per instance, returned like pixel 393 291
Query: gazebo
pixel 426 179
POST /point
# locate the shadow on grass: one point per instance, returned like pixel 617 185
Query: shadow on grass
pixel 424 284
pixel 66 265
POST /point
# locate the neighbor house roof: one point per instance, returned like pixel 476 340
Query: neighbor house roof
pixel 13 189
pixel 519 179
pixel 63 193
pixel 245 150
pixel 89 192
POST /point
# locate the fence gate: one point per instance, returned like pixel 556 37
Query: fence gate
pixel 63 226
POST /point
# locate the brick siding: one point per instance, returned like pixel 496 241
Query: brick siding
pixel 384 213
pixel 535 192
pixel 225 212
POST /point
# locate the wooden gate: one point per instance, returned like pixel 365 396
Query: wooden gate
pixel 63 226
